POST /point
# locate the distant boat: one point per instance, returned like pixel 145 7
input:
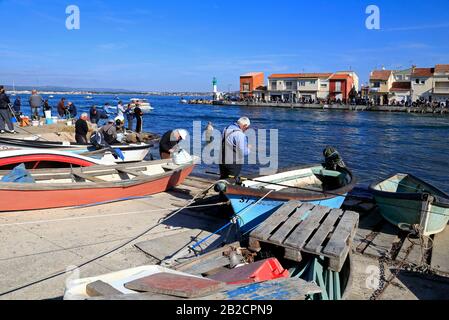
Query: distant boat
pixel 51 96
pixel 403 200
pixel 184 101
pixel 144 104
pixel 88 97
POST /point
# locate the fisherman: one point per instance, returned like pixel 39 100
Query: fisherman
pixel 94 115
pixel 169 142
pixel 120 109
pixel 36 103
pixel 47 107
pixel 17 106
pixel 71 109
pixel 81 129
pixel 109 132
pixel 62 109
pixel 5 112
pixel 129 116
pixel 234 148
pixel 138 115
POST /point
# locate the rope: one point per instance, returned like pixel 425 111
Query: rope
pixel 62 272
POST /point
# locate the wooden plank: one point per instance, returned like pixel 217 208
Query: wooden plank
pixel 100 288
pixel 263 232
pixel 131 172
pixel 299 237
pixel 175 285
pixel 315 244
pixel 288 226
pixel 440 252
pixel 339 245
pixel 87 177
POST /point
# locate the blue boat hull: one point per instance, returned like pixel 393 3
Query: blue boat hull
pixel 249 216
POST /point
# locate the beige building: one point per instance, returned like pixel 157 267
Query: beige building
pixel 380 84
pixel 441 82
pixel 422 83
pixel 293 87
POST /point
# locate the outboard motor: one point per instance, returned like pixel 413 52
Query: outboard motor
pixel 97 140
pixel 333 160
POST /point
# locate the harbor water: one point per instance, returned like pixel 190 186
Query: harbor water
pixel 373 144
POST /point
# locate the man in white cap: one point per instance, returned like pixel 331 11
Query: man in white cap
pixel 169 142
pixel 234 148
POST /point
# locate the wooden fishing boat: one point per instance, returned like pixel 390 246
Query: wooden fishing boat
pixel 56 188
pixel 257 198
pixel 42 159
pixel 131 152
pixel 405 200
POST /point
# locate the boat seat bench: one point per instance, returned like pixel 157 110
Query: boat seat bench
pixel 306 228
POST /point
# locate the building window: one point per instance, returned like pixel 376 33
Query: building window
pixel 245 87
pixel 323 85
pixel 312 82
pixel 302 83
pixel 337 86
pixel 289 85
pixel 399 77
pixel 376 85
pixel 423 81
pixel 274 85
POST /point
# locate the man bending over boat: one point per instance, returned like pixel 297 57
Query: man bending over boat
pixel 234 148
pixel 169 142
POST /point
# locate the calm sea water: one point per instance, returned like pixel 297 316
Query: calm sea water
pixel 373 145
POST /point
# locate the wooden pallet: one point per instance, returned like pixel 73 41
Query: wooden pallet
pixel 303 227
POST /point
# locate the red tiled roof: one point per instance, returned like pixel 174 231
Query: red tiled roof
pixel 251 74
pixel 340 76
pixel 442 68
pixel 423 72
pixel 400 86
pixel 381 75
pixel 300 75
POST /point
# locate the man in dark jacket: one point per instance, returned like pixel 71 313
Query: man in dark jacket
pixel 71 108
pixel 36 103
pixel 5 112
pixel 81 129
pixel 169 141
pixel 62 109
pixel 94 115
pixel 17 106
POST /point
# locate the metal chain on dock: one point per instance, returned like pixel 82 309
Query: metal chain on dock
pixel 403 264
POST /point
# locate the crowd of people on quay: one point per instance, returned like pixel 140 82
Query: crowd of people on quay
pixel 40 108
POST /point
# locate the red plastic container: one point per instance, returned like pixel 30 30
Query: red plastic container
pixel 263 270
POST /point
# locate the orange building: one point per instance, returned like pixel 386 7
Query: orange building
pixel 250 82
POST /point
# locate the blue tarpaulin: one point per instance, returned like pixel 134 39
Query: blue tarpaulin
pixel 18 175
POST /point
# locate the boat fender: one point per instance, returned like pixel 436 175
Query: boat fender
pixel 221 186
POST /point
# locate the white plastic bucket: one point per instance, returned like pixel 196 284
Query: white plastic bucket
pixel 47 114
pixel 35 123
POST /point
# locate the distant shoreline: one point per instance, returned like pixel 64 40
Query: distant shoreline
pixel 162 94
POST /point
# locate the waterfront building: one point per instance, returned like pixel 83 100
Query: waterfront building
pixel 400 91
pixel 422 82
pixel 252 84
pixel 381 82
pixel 295 87
pixel 340 86
pixel 441 82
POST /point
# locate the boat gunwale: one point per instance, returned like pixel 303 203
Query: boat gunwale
pixel 417 196
pixel 73 145
pixel 233 189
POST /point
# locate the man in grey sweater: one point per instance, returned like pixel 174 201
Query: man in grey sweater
pixel 36 103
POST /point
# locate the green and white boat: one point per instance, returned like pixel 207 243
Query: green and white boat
pixel 405 200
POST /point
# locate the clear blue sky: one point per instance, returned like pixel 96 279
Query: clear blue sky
pixel 180 45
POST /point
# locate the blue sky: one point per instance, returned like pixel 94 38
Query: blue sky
pixel 180 45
